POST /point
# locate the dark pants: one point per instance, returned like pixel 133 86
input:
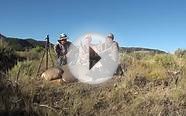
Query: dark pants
pixel 119 70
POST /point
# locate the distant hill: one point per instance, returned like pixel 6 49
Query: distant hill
pixel 139 49
pixel 23 44
pixel 20 44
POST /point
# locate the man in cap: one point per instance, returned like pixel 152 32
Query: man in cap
pixel 111 46
pixel 61 49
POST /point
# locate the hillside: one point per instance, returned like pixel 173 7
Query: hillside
pixel 19 44
pixel 139 49
pixel 22 44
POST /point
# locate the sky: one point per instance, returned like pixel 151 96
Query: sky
pixel 159 24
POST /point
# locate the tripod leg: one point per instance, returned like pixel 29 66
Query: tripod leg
pixel 51 58
pixel 40 63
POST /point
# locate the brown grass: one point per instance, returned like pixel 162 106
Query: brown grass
pixel 151 85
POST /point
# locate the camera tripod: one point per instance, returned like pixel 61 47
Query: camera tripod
pixel 46 53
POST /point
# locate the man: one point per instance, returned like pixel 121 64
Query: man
pixel 112 46
pixel 84 49
pixel 61 49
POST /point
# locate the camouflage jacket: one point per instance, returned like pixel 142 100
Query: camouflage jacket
pixel 61 50
pixel 113 46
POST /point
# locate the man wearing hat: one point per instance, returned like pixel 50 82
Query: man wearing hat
pixel 61 49
pixel 111 46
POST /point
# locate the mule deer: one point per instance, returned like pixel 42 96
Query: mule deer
pixel 61 74
pixel 52 74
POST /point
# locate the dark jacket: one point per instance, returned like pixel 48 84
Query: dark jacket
pixel 61 50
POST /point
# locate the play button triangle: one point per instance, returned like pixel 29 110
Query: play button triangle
pixel 93 58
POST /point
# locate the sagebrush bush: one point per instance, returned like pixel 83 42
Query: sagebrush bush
pixel 8 58
pixel 24 70
pixel 32 54
pixel 165 60
pixel 180 52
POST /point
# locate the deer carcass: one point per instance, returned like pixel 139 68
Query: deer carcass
pixel 61 74
pixel 52 74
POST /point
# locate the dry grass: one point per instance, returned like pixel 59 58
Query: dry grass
pixel 152 85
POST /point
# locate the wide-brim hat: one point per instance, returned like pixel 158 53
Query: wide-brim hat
pixel 61 39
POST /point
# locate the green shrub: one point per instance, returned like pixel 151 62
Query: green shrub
pixel 8 58
pixel 37 49
pixel 35 53
pixel 26 70
pixel 165 60
pixel 32 54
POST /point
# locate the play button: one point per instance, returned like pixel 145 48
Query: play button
pixel 93 58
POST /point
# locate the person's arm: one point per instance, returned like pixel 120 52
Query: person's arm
pixel 115 46
pixel 106 50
